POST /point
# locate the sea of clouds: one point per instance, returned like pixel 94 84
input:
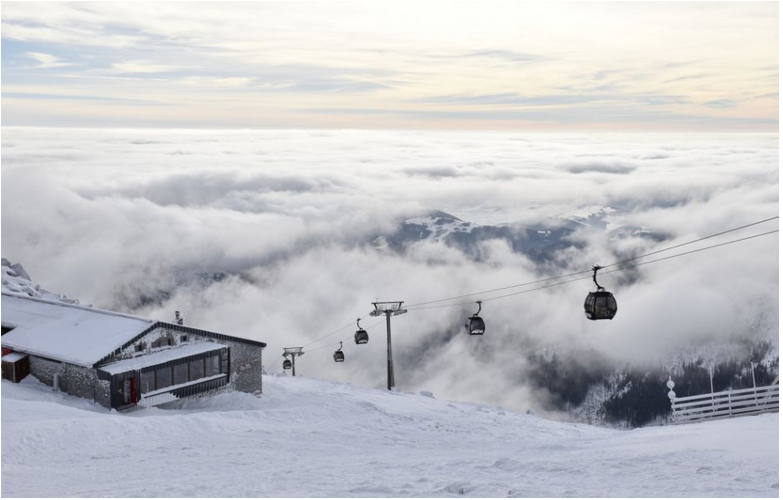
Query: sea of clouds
pixel 289 215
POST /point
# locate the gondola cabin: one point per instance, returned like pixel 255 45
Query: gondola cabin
pixel 287 364
pixel 360 337
pixel 475 325
pixel 600 305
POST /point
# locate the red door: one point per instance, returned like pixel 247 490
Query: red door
pixel 134 394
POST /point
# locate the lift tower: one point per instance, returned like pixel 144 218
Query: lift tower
pixel 294 352
pixel 389 309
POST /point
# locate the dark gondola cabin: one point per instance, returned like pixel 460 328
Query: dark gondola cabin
pixel 361 337
pixel 339 357
pixel 600 304
pixel 287 364
pixel 475 325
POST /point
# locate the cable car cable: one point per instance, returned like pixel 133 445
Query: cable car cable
pixel 334 332
pixel 605 272
pixel 345 339
pixel 543 280
pixel 691 242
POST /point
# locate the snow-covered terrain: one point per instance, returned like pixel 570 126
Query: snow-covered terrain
pixel 307 437
pixel 18 282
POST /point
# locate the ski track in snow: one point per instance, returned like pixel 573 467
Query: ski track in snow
pixel 313 438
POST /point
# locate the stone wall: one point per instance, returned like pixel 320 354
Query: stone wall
pixel 246 367
pixel 45 369
pixel 102 393
pixel 74 380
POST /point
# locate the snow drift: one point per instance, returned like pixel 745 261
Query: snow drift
pixel 18 282
pixel 312 438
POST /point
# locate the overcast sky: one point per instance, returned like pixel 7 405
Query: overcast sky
pixel 546 66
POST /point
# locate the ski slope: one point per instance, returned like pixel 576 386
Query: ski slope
pixel 313 438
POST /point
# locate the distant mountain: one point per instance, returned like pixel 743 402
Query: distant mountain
pixel 540 243
pixel 133 296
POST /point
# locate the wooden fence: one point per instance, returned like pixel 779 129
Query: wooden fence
pixel 725 404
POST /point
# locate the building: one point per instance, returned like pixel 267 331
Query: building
pixel 119 360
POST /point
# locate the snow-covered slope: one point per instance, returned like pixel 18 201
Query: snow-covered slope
pixel 307 437
pixel 16 281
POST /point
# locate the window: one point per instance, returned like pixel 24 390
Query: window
pixel 163 377
pixel 197 369
pixel 212 365
pixel 140 346
pixel 163 341
pixel 224 361
pixel 180 374
pixel 147 381
pixel 183 338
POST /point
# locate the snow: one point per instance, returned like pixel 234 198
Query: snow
pixel 66 332
pixel 16 281
pixel 160 357
pixel 167 390
pixel 14 357
pixel 307 437
pixel 585 212
pixel 440 227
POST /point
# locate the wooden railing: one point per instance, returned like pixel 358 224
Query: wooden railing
pixel 725 404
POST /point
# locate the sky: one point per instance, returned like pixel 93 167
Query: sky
pixel 144 143
pixel 292 217
pixel 528 66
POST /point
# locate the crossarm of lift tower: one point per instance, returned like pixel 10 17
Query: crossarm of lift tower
pixel 383 308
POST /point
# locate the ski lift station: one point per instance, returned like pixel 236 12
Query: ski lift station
pixel 118 360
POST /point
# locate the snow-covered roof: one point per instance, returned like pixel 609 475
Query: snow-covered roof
pixel 66 332
pixel 161 357
pixel 14 357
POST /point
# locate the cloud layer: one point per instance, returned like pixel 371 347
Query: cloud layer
pixel 111 215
